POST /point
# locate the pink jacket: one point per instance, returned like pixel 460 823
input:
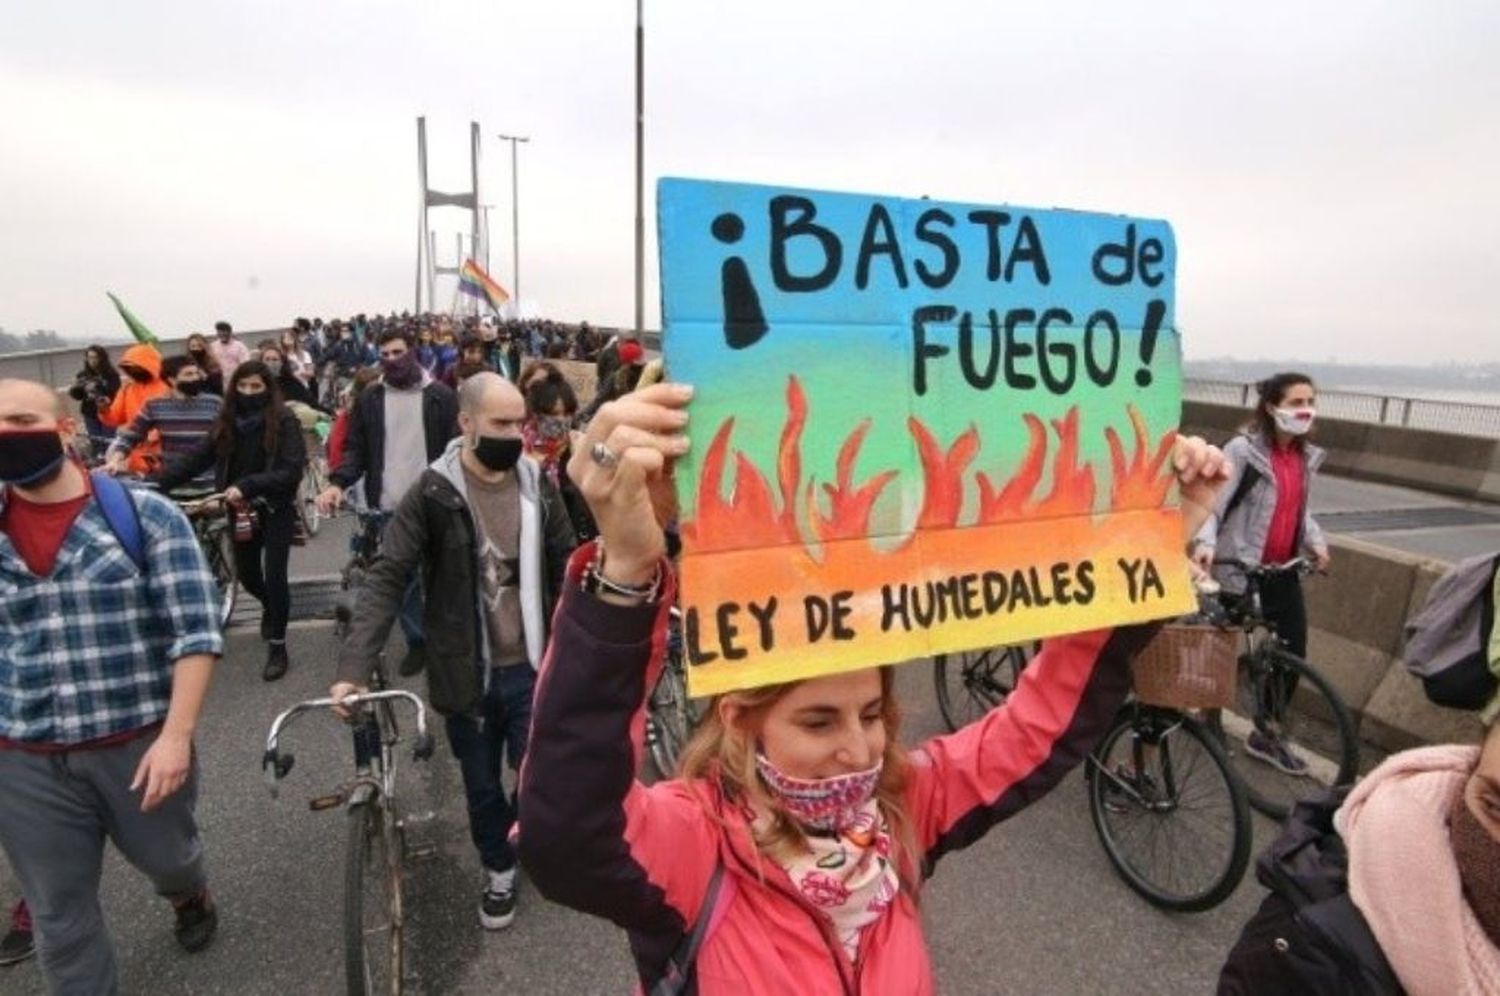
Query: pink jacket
pixel 594 838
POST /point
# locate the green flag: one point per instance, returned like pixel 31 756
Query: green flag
pixel 141 333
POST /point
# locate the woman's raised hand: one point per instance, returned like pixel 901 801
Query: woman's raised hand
pixel 1202 471
pixel 625 455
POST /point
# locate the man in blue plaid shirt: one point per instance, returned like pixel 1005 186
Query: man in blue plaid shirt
pixel 103 669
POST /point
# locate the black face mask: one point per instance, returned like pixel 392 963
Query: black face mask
pixel 30 458
pixel 190 388
pixel 252 404
pixel 497 452
pixel 139 376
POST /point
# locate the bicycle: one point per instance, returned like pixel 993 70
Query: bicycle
pixel 375 848
pixel 670 715
pixel 216 539
pixel 1170 811
pixel 971 683
pixel 1282 700
pixel 364 547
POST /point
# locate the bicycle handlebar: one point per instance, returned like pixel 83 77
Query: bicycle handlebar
pixel 1297 565
pixel 276 765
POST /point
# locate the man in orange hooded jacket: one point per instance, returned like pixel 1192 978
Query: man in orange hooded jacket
pixel 141 367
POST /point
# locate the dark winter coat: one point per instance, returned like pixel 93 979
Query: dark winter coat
pixel 433 531
pixel 1308 937
pixel 246 465
pixel 93 390
pixel 364 446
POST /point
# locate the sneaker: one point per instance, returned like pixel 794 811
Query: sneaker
pixel 414 661
pixel 276 661
pixel 18 944
pixel 1274 751
pixel 197 919
pixel 497 907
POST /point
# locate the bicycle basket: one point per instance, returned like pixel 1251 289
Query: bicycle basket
pixel 1187 667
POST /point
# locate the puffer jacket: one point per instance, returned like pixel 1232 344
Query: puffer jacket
pixel 1243 536
pixel 132 397
pixel 1308 936
pixel 594 838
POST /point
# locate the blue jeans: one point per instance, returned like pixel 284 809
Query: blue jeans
pixel 479 744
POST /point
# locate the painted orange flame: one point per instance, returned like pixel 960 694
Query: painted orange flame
pixel 1009 502
pixel 753 517
pixel 942 474
pixel 1072 486
pixel 849 506
pixel 1145 482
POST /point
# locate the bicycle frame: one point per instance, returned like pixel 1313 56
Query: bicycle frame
pixel 1152 725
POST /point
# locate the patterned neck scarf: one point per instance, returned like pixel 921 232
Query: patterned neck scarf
pixel 849 875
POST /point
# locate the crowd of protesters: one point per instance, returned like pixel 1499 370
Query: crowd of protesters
pixel 409 397
pixel 790 852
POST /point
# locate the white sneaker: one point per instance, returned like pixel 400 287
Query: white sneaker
pixel 497 907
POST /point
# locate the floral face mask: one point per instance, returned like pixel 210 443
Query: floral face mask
pixel 828 804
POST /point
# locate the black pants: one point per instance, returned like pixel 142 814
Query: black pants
pixel 1281 601
pixel 272 546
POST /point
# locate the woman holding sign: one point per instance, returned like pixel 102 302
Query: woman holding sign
pixel 789 855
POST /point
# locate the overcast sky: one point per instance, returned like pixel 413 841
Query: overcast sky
pixel 1332 170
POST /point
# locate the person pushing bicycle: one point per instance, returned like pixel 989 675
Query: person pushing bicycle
pixel 1263 519
pixel 489 533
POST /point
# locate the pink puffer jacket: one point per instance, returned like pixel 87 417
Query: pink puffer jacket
pixel 594 838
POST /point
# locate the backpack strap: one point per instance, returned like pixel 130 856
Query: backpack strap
pixel 1249 477
pixel 122 515
pixel 679 975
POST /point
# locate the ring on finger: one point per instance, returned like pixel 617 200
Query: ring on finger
pixel 603 455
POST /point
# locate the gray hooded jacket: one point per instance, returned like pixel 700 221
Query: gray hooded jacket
pixel 1243 536
pixel 434 531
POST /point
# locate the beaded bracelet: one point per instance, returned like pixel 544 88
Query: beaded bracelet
pixel 594 582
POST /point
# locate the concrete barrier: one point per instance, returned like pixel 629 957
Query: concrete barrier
pixel 1355 639
pixel 1440 462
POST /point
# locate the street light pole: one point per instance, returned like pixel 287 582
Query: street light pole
pixel 515 218
pixel 640 146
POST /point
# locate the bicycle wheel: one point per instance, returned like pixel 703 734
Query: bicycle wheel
pixel 218 550
pixel 972 683
pixel 1173 819
pixel 373 911
pixel 1282 700
pixel 670 718
pixel 311 486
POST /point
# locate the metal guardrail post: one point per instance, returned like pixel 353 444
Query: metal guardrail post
pixel 1406 412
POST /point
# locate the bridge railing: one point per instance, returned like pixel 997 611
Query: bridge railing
pixel 1384 409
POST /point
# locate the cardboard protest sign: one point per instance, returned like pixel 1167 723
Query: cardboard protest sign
pixel 580 377
pixel 919 427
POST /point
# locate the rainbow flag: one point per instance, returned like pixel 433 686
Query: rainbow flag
pixel 472 280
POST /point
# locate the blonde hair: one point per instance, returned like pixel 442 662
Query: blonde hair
pixel 726 754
